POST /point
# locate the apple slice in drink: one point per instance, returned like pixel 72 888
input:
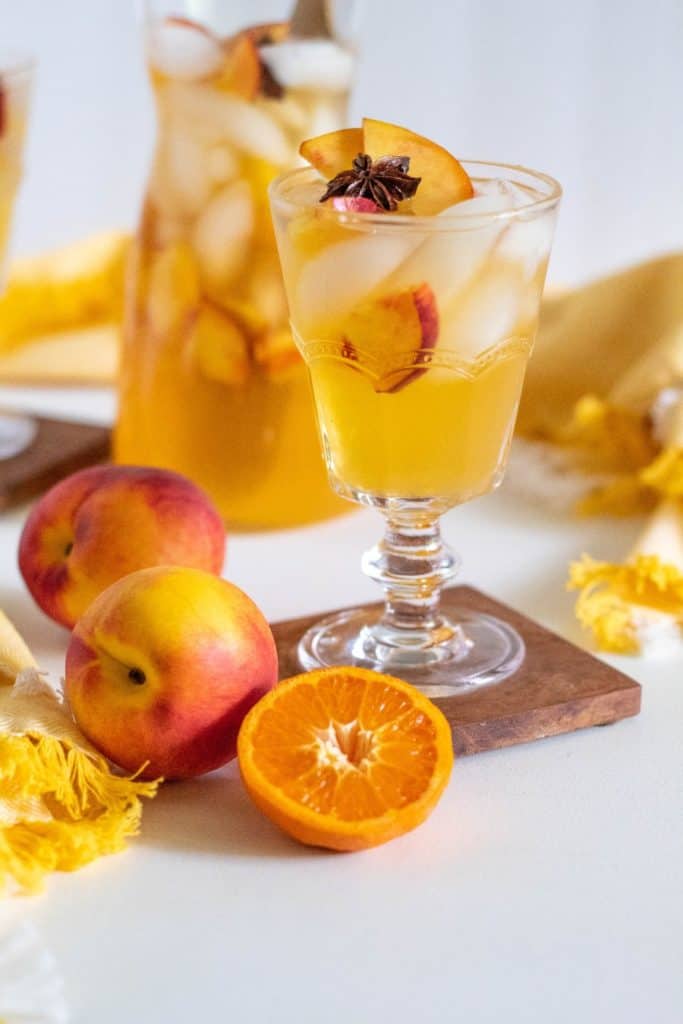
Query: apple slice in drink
pixel 394 336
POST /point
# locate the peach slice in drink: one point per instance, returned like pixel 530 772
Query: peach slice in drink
pixel 393 335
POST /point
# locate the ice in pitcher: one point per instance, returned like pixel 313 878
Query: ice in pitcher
pixel 212 384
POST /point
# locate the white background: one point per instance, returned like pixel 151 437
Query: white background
pixel 589 91
pixel 547 885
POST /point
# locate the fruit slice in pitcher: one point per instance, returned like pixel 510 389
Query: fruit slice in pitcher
pixel 220 348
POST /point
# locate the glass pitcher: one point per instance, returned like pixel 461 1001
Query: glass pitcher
pixel 211 383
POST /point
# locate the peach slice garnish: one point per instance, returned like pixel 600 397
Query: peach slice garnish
pixel 394 334
pixel 444 179
pixel 333 152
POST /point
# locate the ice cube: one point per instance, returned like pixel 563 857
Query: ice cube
pixel 222 233
pixel 335 280
pixel 319 64
pixel 527 241
pixel 181 178
pixel 449 259
pixel 486 314
pixel 221 164
pixel 217 118
pixel 291 113
pixel 183 49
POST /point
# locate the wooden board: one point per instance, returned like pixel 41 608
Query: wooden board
pixel 559 687
pixel 59 447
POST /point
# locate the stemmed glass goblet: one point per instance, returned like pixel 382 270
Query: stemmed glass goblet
pixel 416 331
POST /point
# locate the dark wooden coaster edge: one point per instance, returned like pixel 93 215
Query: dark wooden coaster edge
pixel 59 448
pixel 560 687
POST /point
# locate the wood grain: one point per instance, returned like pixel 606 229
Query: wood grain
pixel 559 687
pixel 59 447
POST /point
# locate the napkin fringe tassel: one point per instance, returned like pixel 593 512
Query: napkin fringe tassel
pixel 77 808
pixel 611 594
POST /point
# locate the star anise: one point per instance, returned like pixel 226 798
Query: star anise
pixel 386 181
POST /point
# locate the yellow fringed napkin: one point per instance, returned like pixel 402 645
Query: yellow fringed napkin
pixel 605 389
pixel 61 311
pixel 61 806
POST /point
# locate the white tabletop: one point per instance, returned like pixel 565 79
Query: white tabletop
pixel 545 887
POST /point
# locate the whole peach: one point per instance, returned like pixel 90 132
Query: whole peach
pixel 101 523
pixel 163 667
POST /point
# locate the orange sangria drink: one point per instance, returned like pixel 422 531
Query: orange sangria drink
pixel 211 382
pixel 414 283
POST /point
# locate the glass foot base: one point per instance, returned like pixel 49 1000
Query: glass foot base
pixel 476 650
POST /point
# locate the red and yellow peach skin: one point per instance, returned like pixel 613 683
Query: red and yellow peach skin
pixel 101 523
pixel 163 667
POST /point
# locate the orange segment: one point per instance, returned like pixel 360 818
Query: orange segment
pixel 345 758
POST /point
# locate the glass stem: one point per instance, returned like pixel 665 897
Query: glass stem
pixel 412 564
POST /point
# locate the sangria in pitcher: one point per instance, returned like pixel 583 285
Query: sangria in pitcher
pixel 211 383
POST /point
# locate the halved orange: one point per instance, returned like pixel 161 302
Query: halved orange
pixel 345 758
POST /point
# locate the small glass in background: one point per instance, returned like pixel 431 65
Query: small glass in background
pixel 16 80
